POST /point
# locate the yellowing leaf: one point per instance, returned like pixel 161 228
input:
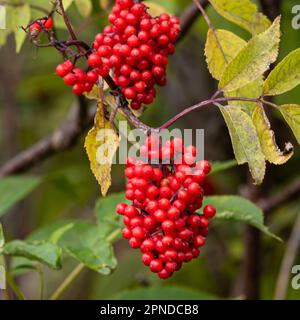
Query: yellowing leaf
pixel 251 90
pixel 267 139
pixel 84 7
pixel 101 145
pixel 285 76
pixel 104 4
pixel 215 58
pixel 245 142
pixel 291 114
pixel 244 13
pixel 253 60
pixel 154 8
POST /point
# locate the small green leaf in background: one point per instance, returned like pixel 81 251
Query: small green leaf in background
pixel 216 59
pixel 267 139
pixel 220 166
pixel 67 3
pixel 84 7
pixel 244 13
pixel 106 209
pixel 291 114
pixel 42 251
pixel 245 142
pixel 105 4
pixel 163 293
pixel 14 189
pixel 17 17
pixel 235 208
pixel 154 8
pixel 285 76
pixel 2 239
pixel 253 60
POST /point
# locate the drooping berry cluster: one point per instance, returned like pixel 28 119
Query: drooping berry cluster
pixel 135 46
pixel 80 81
pixel 162 219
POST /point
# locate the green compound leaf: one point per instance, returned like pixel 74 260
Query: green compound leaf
pixel 235 208
pixel 267 139
pixel 42 251
pixel 217 59
pixel 291 114
pixel 285 76
pixel 244 13
pixel 253 60
pixel 245 142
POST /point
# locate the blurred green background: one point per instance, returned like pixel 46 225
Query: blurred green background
pixel 33 100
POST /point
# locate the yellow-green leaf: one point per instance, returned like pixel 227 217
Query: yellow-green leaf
pixel 105 4
pixel 154 8
pixel 67 3
pixel 253 60
pixel 244 13
pixel 291 114
pixel 216 59
pixel 245 142
pixel 285 76
pixel 84 7
pixel 18 17
pixel 252 90
pixel 101 145
pixel 267 139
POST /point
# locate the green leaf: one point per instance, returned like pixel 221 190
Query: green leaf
pixel 2 239
pixel 17 17
pixel 253 60
pixel 217 59
pixel 50 233
pixel 291 114
pixel 285 76
pixel 251 90
pixel 106 209
pixel 220 166
pixel 14 189
pixel 67 3
pixel 235 208
pixel 163 293
pixel 84 7
pixel 86 244
pixel 245 142
pixel 244 13
pixel 42 251
pixel 267 139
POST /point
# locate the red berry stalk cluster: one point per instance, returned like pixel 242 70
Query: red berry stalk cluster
pixel 80 81
pixel 135 46
pixel 36 27
pixel 162 220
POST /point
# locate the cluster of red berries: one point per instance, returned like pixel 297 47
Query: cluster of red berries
pixel 80 81
pixel 135 46
pixel 162 219
pixel 35 28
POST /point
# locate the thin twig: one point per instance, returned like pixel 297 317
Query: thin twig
pixel 211 27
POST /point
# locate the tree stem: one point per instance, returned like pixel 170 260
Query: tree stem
pixel 67 282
